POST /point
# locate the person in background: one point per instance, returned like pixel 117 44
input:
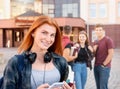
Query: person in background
pixel 104 50
pixel 41 53
pixel 80 63
pixel 67 30
pixel 67 44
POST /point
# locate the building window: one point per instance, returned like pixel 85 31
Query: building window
pixel 48 9
pixel 102 10
pixel 17 36
pixel 70 10
pixel 21 6
pixel 119 9
pixel 92 11
pixel 94 37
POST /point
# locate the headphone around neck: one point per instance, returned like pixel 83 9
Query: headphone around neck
pixel 32 56
pixel 47 57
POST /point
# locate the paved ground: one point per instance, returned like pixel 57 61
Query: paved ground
pixel 114 81
pixel 5 55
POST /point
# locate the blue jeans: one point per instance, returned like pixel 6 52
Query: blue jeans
pixel 101 76
pixel 80 74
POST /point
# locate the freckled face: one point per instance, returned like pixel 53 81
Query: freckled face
pixel 82 38
pixel 44 36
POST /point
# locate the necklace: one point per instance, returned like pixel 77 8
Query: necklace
pixel 43 77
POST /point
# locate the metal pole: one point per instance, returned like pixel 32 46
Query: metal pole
pixel 88 29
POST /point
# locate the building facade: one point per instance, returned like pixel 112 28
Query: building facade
pixel 66 12
pixel 89 13
pixel 106 12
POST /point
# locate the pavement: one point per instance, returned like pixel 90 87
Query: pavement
pixel 114 80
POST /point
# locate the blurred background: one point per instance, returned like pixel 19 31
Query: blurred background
pixel 16 16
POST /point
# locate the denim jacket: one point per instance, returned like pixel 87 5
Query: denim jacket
pixel 12 76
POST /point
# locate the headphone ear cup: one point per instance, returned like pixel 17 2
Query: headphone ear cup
pixel 32 57
pixel 47 57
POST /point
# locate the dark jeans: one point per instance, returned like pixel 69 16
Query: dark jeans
pixel 101 76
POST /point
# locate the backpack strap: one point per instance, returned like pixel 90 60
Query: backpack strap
pixel 89 58
pixel 87 52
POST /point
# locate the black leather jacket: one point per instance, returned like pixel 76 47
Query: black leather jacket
pixel 13 79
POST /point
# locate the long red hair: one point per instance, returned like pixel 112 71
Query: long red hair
pixel 28 39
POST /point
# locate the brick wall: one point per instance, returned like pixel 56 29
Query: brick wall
pixel 112 31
